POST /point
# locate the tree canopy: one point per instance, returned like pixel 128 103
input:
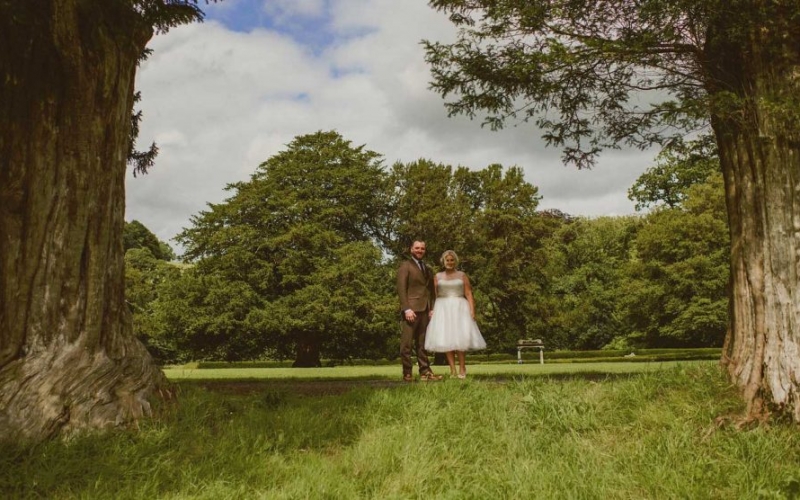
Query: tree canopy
pixel 289 229
pixel 678 167
pixel 590 75
pixel 136 235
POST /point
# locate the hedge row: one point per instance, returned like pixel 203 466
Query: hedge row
pixel 528 355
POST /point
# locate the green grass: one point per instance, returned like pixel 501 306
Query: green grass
pixel 529 355
pixel 393 372
pixel 532 431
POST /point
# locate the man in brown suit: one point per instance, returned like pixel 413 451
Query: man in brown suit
pixel 415 289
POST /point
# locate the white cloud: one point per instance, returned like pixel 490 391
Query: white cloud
pixel 284 10
pixel 219 102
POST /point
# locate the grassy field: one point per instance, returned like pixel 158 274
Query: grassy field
pixel 393 372
pixel 627 431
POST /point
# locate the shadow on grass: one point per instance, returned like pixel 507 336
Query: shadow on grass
pixel 295 386
pixel 589 376
pixel 212 434
pixel 317 387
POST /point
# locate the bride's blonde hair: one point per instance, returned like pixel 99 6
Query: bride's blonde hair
pixel 446 253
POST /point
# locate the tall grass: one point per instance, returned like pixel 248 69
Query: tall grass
pixel 621 436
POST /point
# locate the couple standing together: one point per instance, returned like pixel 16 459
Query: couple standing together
pixel 437 314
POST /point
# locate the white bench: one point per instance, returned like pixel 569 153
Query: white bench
pixel 530 344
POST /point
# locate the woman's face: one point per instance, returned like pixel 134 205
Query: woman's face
pixel 449 262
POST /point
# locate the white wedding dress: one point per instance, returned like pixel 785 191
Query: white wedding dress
pixel 452 328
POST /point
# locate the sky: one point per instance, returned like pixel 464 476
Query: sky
pixel 222 96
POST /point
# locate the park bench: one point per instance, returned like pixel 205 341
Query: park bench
pixel 530 344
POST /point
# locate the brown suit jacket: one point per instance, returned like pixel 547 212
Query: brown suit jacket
pixel 414 288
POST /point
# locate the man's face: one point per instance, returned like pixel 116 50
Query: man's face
pixel 418 249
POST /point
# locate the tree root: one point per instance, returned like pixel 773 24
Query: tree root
pixel 738 422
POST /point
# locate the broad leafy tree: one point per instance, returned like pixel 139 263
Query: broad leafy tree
pixel 347 309
pixel 68 356
pixel 279 233
pixel 136 235
pixel 432 201
pixel 192 316
pixel 587 281
pixel 595 75
pixel 145 278
pixel 677 289
pixel 507 257
pixel 678 284
pixel 678 167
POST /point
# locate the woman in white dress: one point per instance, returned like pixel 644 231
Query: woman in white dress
pixel 452 328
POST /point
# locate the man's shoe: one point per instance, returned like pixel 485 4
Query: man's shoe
pixel 430 377
pixel 408 378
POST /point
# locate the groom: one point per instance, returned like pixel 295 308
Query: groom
pixel 415 288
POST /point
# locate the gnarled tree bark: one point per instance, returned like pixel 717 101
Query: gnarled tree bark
pixel 68 357
pixel 757 86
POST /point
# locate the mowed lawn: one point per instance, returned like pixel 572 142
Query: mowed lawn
pixel 582 431
pixel 392 372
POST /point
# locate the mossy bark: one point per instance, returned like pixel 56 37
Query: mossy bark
pixel 755 88
pixel 68 358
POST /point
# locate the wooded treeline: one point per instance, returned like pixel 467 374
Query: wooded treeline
pixel 299 262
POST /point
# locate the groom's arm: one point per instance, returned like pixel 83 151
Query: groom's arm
pixel 432 290
pixel 402 287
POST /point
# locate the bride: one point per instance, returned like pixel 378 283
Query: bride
pixel 452 328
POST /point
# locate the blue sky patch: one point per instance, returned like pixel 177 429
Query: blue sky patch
pixel 312 31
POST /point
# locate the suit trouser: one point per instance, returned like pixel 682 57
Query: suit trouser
pixel 412 336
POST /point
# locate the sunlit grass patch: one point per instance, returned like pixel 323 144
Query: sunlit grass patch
pixel 394 372
pixel 557 435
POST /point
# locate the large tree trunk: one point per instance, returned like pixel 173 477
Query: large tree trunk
pixel 68 357
pixel 756 119
pixel 307 355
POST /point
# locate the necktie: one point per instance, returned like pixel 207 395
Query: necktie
pixel 421 267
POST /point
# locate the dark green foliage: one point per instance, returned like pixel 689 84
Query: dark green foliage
pixel 298 241
pixel 202 316
pixel 678 167
pixel 588 281
pixel 136 235
pixel 433 202
pixel 162 15
pixel 657 280
pixel 678 285
pixel 141 161
pixel 146 279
